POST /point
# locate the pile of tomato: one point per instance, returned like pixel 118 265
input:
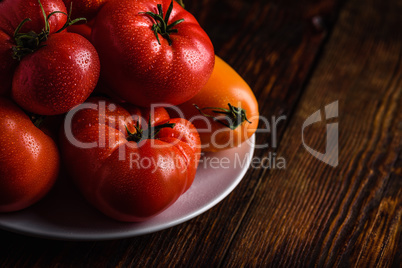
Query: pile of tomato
pixel 125 95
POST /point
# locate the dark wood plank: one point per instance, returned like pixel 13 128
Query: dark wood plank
pixel 273 45
pixel 349 216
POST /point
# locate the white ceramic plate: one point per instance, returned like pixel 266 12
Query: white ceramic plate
pixel 65 215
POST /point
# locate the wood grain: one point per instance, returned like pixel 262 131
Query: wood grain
pixel 273 46
pixel 309 214
pixel 316 215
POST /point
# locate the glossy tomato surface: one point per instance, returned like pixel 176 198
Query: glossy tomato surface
pixel 12 13
pixel 127 179
pixel 224 87
pixel 82 29
pixel 58 76
pixel 84 8
pixel 29 160
pixel 53 71
pixel 143 70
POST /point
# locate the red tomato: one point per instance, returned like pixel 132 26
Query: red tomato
pixel 222 126
pixel 29 159
pixel 12 12
pixel 82 29
pixel 58 76
pixel 84 8
pixel 51 76
pixel 129 172
pixel 145 64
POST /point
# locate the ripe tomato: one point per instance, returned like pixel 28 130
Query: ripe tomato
pixel 84 8
pixel 29 159
pixel 50 72
pixel 128 170
pixel 12 12
pixel 149 59
pixel 220 125
pixel 82 29
pixel 58 76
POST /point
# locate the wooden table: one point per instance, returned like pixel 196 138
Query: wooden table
pixel 298 56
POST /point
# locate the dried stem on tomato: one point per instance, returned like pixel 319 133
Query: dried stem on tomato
pixel 150 133
pixel 36 119
pixel 180 2
pixel 27 43
pixel 161 25
pixel 234 116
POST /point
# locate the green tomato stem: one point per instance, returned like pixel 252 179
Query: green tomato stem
pixel 150 133
pixel 161 25
pixel 27 43
pixel 234 116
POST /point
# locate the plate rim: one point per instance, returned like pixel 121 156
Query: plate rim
pixel 71 236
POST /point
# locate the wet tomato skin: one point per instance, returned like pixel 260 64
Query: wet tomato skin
pixel 127 180
pixel 139 69
pixel 44 69
pixel 12 13
pixel 84 8
pixel 82 29
pixel 57 77
pixel 29 160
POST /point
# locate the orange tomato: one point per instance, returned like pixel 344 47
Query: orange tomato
pixel 225 111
